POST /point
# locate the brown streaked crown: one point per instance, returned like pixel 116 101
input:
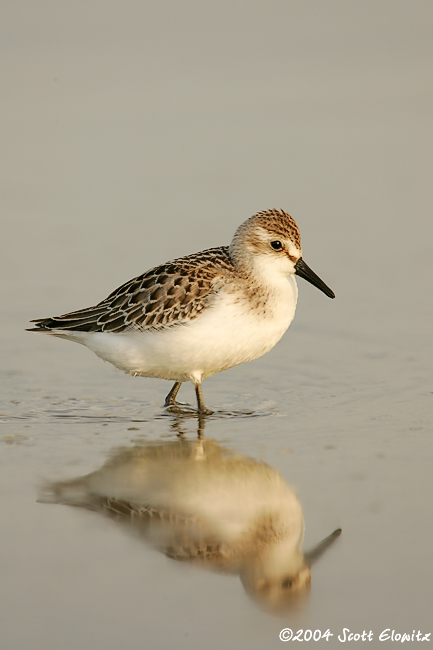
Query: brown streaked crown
pixel 280 223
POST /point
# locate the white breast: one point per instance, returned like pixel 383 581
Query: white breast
pixel 227 334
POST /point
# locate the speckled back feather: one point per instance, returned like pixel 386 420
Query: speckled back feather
pixel 165 296
pixel 179 291
pixel 186 543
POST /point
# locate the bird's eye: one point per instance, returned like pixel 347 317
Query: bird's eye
pixel 276 245
pixel 287 583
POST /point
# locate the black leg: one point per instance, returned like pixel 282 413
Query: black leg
pixel 171 397
pixel 200 403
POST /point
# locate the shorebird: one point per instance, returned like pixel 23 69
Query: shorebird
pixel 200 503
pixel 198 315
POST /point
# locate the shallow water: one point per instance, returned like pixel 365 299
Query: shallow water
pixel 124 150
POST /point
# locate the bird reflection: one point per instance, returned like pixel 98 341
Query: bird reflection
pixel 198 502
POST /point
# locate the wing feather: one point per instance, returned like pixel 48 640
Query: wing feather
pixel 165 296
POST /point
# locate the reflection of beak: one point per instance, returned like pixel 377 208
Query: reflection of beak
pixel 317 552
pixel 304 271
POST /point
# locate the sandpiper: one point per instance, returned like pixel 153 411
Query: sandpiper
pixel 198 315
pixel 200 503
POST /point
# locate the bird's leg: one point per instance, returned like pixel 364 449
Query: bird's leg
pixel 200 403
pixel 200 426
pixel 171 397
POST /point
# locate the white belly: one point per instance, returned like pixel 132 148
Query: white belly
pixel 225 335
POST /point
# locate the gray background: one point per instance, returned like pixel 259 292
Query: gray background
pixel 135 132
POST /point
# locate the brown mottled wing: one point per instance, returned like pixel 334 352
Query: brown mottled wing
pixel 181 537
pixel 167 295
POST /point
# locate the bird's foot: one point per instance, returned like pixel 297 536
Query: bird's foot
pixel 169 403
pixel 205 411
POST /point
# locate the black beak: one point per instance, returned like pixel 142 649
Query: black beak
pixel 304 271
pixel 317 552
